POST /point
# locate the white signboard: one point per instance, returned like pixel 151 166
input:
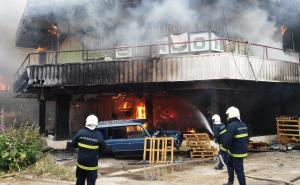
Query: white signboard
pixel 123 52
pixel 197 42
pixel 216 45
pixel 183 47
pixel 164 48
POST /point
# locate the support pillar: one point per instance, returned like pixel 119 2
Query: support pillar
pixel 149 109
pixel 42 115
pixel 62 116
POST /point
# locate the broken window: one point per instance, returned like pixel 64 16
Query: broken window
pixel 135 131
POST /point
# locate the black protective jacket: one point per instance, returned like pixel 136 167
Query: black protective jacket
pixel 89 144
pixel 236 138
pixel 219 132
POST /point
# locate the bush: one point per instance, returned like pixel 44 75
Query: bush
pixel 19 147
pixel 47 167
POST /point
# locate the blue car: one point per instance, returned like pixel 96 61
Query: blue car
pixel 125 138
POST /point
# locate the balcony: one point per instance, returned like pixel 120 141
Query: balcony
pixel 234 60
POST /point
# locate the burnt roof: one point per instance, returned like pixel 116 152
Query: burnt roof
pixel 32 31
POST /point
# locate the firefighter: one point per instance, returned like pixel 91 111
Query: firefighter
pixel 89 142
pixel 236 141
pixel 219 131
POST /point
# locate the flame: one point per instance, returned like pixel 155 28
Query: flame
pixel 40 50
pixel 53 30
pixel 141 112
pixel 146 125
pixel 2 87
pixel 191 130
pixel 283 29
pixel 4 84
pixel 125 106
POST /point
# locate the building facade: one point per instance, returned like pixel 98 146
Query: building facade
pixel 177 80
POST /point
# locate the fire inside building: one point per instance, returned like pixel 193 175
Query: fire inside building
pixel 4 85
pixel 173 73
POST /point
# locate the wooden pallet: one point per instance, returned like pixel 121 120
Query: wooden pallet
pixel 157 150
pixel 288 130
pixel 203 154
pixel 199 145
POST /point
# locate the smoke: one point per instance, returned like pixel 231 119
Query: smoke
pixel 11 57
pixel 129 25
pixel 109 23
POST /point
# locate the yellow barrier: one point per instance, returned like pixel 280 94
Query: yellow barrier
pixel 156 150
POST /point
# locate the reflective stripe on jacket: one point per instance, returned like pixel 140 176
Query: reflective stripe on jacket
pixel 236 139
pixel 89 144
pixel 219 131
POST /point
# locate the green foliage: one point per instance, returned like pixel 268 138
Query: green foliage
pixel 19 147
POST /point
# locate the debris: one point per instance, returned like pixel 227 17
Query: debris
pixel 142 162
pixel 272 180
pixel 8 175
pixel 280 165
pixel 280 147
pixel 257 146
pixel 269 139
pixel 151 178
pixel 64 159
pixel 51 137
pixel 295 179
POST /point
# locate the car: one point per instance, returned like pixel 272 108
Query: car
pixel 125 138
pixel 170 133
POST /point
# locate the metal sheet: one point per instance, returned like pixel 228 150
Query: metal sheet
pixel 166 69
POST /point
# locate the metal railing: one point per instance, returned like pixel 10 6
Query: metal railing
pixel 156 51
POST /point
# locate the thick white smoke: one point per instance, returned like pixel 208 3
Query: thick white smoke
pixel 117 25
pixel 107 23
pixel 10 57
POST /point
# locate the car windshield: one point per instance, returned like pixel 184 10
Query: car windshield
pixel 135 131
pixel 123 132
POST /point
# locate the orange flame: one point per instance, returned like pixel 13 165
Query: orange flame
pixel 40 50
pixel 191 130
pixel 125 106
pixel 141 112
pixel 4 85
pixel 283 29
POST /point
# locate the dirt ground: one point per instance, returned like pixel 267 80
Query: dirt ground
pixel 277 165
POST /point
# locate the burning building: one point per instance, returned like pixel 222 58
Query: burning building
pixel 173 63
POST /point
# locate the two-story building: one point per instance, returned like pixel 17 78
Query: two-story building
pixel 119 63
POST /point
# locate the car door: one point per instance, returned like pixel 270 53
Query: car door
pixel 117 141
pixel 136 135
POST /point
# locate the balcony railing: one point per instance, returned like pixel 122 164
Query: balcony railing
pixel 156 51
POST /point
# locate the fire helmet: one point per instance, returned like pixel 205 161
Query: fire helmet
pixel 216 119
pixel 232 112
pixel 91 122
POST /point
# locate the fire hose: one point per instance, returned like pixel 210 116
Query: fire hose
pixel 221 159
